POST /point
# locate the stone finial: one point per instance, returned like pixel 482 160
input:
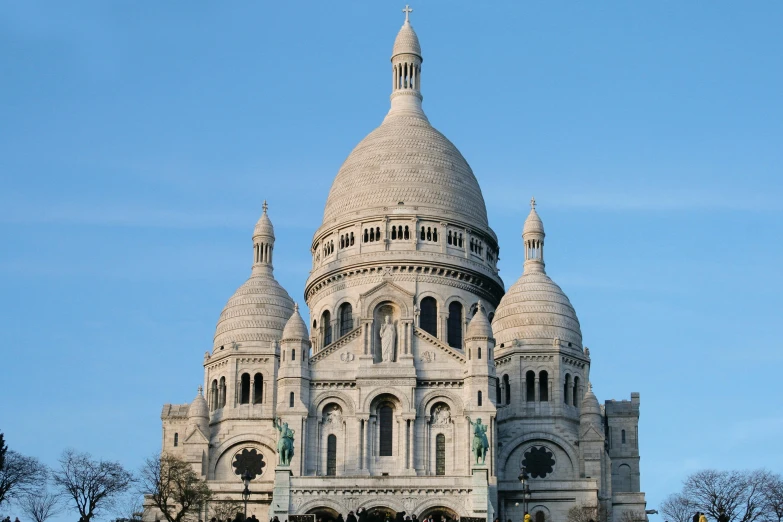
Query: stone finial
pixel 200 390
pixel 265 207
pixel 533 203
pixel 407 12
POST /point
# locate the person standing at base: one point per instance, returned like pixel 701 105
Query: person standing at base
pixel 696 517
pixel 351 517
pixel 722 516
pixel 702 517
pixel 526 517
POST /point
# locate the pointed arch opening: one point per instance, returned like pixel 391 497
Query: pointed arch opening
pixel 258 388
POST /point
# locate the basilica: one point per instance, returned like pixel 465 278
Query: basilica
pixel 414 381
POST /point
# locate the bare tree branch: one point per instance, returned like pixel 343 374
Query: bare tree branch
pixel 678 508
pixel 773 497
pixel 42 505
pixel 92 484
pixel 19 474
pixel 225 508
pixel 173 486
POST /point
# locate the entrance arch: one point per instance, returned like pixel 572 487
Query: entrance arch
pixel 324 514
pixel 380 514
pixel 437 512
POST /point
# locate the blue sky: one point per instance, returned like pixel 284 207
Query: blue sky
pixel 138 141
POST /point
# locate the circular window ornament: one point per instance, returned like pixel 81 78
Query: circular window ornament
pixel 249 460
pixel 539 461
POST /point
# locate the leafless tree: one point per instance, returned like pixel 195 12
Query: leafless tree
pixel 173 487
pixel 738 494
pixel 41 505
pixel 225 508
pixel 129 507
pixel 678 508
pixel 773 497
pixel 93 485
pixel 583 513
pixel 19 474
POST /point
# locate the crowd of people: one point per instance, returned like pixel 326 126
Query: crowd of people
pixel 362 515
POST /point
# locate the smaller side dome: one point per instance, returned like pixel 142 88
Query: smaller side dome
pixel 198 412
pixel 295 328
pixel 590 405
pixel 479 325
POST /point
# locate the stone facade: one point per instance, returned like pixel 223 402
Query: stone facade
pixel 385 384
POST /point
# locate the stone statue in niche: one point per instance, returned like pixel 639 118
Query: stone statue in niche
pixel 388 338
pixel 333 415
pixel 441 416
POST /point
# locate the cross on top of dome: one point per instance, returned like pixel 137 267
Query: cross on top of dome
pixel 533 203
pixel 265 207
pixel 407 12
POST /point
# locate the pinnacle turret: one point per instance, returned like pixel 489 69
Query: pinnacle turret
pixel 533 240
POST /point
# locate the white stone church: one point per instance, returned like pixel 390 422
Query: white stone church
pixel 411 337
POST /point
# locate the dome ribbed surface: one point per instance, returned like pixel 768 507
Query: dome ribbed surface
pixel 535 308
pixel 407 42
pixel 256 313
pixel 406 160
pixel 295 328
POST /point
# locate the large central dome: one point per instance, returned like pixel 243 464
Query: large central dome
pixel 406 162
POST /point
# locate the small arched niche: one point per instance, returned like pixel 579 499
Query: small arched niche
pixel 382 311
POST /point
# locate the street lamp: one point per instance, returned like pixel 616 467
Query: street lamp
pixel 246 478
pixel 523 478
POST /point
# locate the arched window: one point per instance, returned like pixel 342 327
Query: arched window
pixel 222 392
pixel 428 320
pixel 176 439
pixel 378 233
pixel 498 400
pixel 435 234
pixel 291 400
pixel 346 318
pixel 244 389
pixel 440 454
pixel 258 388
pixel 622 436
pixel 566 383
pixel 530 386
pixel 366 236
pixel 479 352
pixel 507 388
pixel 491 316
pixel 407 232
pixel 293 354
pixel 576 392
pixel 479 399
pixel 326 327
pixel 540 516
pixel 423 234
pixel 386 427
pixel 623 479
pixel 543 385
pixel 352 239
pixel 454 324
pixel 331 455
pixel 213 396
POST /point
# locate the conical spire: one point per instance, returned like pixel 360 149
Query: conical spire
pixel 263 242
pixel 295 328
pixel 479 325
pixel 533 240
pixel 406 72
